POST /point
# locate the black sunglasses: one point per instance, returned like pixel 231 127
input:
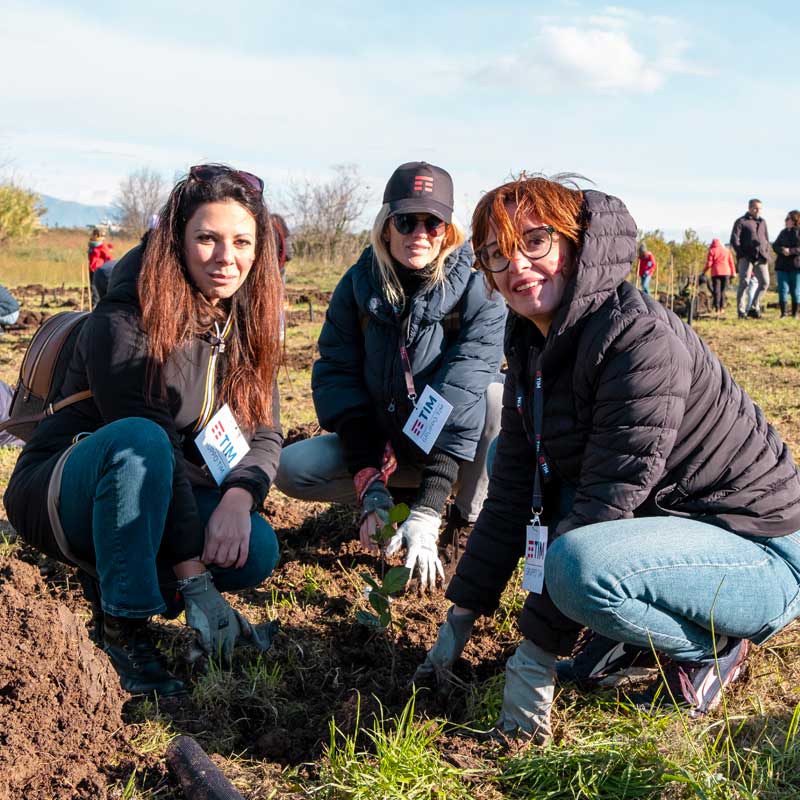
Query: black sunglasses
pixel 207 172
pixel 407 223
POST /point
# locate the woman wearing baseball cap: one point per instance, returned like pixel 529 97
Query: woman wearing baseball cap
pixel 410 316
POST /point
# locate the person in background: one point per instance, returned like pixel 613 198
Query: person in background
pixel 750 242
pixel 653 502
pixel 647 266
pixel 787 265
pixel 410 313
pixel 720 261
pixel 283 243
pixel 9 308
pixel 184 347
pixel 99 252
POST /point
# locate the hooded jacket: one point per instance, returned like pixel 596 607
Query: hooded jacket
pixel 749 238
pixel 719 260
pixel 788 237
pixel 111 359
pixel 639 419
pixel 359 373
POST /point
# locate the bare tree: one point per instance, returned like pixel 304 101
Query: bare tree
pixel 140 196
pixel 324 215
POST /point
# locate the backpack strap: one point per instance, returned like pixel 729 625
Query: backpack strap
pixel 48 412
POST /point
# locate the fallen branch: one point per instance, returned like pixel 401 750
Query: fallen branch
pixel 200 778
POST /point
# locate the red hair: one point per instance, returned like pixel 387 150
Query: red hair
pixel 550 199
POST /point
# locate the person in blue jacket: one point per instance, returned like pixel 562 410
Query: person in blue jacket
pixel 411 313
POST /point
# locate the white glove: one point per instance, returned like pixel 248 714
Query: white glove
pixel 420 533
pixel 528 693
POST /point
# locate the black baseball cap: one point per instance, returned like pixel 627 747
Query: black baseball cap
pixel 419 186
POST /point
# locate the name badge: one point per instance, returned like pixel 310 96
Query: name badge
pixel 427 420
pixel 535 551
pixel 221 444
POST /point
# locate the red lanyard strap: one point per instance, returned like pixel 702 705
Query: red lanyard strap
pixel 409 376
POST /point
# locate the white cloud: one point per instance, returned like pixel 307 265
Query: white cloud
pixel 616 50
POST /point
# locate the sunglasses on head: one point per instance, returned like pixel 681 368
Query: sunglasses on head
pixel 407 223
pixel 207 172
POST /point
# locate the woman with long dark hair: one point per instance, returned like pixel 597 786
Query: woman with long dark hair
pixel 138 484
pixel 652 501
pixel 787 264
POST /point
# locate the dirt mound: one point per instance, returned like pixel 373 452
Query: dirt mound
pixel 60 699
pixel 300 432
pixel 314 296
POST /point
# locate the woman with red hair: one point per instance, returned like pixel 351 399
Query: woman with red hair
pixel 652 501
pixel 152 483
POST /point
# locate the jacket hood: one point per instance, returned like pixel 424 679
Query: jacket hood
pixel 603 260
pixel 122 287
pixel 429 306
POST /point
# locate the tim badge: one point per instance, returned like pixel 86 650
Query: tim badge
pixel 221 444
pixel 427 420
pixel 535 551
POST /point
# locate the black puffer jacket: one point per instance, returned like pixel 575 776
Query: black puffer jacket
pixel 360 374
pixel 788 237
pixel 640 419
pixel 110 358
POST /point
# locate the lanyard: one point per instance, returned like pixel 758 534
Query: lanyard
pixel 409 376
pixel 541 468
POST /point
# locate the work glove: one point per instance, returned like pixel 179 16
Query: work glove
pixel 375 507
pixel 420 534
pixel 453 636
pixel 528 694
pixel 217 625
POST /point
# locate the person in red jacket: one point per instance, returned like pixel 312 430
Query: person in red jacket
pixel 647 266
pixel 720 261
pixel 99 252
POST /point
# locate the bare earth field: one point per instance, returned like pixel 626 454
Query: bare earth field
pixel 329 711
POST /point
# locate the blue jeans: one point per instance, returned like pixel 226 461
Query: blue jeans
pixel 789 286
pixel 646 283
pixel 115 493
pixel 664 579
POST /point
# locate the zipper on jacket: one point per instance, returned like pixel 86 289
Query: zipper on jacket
pixel 210 390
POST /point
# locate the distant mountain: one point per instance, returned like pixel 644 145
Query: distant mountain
pixel 69 214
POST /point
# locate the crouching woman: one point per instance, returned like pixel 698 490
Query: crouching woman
pixel 672 505
pixel 187 339
pixel 410 313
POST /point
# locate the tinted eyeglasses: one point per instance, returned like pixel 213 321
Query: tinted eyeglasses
pixel 207 172
pixel 407 223
pixel 536 243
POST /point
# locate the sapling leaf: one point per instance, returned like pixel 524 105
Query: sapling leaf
pixel 399 513
pixel 370 620
pixel 370 581
pixel 395 580
pixel 384 533
pixel 379 602
pixel 385 619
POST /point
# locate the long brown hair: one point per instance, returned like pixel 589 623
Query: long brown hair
pixel 174 310
pixel 556 201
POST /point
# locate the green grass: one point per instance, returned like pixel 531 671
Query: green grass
pixel 398 759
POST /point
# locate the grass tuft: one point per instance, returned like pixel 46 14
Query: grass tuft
pixel 401 762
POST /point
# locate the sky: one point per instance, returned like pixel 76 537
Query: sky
pixel 682 109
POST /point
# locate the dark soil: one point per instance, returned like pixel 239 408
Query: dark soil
pixel 60 700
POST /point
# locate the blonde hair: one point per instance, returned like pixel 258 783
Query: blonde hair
pixel 454 237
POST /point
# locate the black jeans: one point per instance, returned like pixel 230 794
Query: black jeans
pixel 719 283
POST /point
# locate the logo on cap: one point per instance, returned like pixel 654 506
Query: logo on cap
pixel 422 183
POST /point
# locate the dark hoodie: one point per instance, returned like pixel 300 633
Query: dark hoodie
pixel 111 359
pixel 640 419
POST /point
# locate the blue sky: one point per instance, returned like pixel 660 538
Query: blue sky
pixel 683 110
